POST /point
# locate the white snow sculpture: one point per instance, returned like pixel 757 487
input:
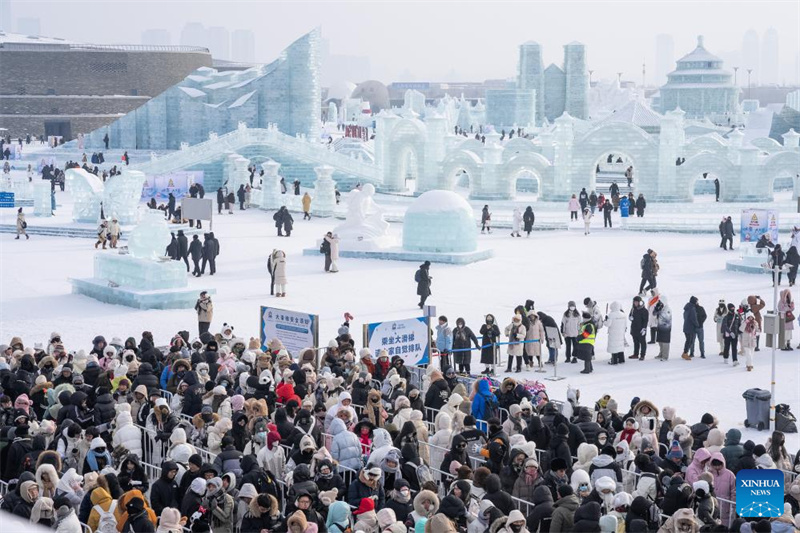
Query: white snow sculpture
pixel 364 226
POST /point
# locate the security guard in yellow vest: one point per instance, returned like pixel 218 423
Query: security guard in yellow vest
pixel 586 337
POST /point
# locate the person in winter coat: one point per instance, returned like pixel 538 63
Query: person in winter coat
pixel 486 219
pixel 494 493
pixel 528 481
pixel 570 327
pixel 528 218
pixel 441 438
pixel 132 475
pixel 276 266
pixel 587 221
pixel 196 251
pixel 724 483
pixel 639 318
pixel 749 331
pixel 641 204
pixel 332 252
pixel 423 279
pixel 516 222
pixel 210 253
pixel 720 313
pixel 22 225
pixel 490 333
pixel 263 512
pixel 164 492
pixel 690 326
pixel 706 505
pixel 564 508
pixel 573 207
pixel 587 517
pixel 616 322
pixel 542 509
pixel 516 336
pixel 663 315
pixel 462 337
pixel 786 314
pixel 367 485
pixel 605 465
pixel 127 435
pixel 438 391
pixel 345 447
pixel 535 336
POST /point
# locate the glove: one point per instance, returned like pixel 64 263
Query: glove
pixel 643 333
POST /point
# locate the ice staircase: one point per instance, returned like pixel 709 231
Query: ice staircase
pixel 85 233
pixel 297 155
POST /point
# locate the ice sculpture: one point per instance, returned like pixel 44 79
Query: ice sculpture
pixel 270 186
pixel 440 222
pixel 21 186
pixel 42 199
pixel 122 195
pixel 364 227
pixel 87 194
pixel 325 192
pixel 151 237
pixel 144 278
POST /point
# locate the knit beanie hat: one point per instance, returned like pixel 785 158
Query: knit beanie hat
pixel 170 519
pixel 707 419
pixel 675 451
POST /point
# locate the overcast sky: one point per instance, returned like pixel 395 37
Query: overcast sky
pixel 471 41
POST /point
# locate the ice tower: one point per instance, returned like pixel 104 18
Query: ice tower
pixel 577 81
pixel 531 74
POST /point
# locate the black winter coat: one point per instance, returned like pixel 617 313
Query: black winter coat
pixel 163 494
pixel 196 249
pixel 491 335
pixel 640 318
pixel 183 245
pixel 104 411
pixel 501 499
pixel 437 395
pixel 462 336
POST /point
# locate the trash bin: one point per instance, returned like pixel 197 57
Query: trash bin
pixel 757 402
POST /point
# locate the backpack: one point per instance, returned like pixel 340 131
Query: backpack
pixel 107 523
pixel 424 474
pixel 325 247
pixel 418 276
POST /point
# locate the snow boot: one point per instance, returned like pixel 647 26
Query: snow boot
pixel 686 356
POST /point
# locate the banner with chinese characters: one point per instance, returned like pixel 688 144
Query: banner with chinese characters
pixel 295 330
pixel 756 222
pixel 406 338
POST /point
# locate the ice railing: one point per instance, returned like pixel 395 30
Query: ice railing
pixel 301 147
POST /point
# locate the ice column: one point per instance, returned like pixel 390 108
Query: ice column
pixel 270 186
pixel 42 206
pixel 389 162
pixel 671 139
pixel 324 201
pixel 562 158
pixel 436 127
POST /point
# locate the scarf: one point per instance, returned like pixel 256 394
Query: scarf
pixel 530 479
pixel 397 496
pixel 42 510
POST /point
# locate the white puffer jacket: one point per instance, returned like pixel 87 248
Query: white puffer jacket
pixel 617 324
pixel 127 434
pixel 440 439
pixel 179 450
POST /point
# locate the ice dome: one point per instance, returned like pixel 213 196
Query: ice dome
pixel 440 222
pixel 374 92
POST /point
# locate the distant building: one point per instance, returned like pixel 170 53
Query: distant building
pixel 56 87
pixel 219 42
pixel 558 90
pixel 507 108
pixel 699 86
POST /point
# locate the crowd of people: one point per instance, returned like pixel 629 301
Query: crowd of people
pixel 217 433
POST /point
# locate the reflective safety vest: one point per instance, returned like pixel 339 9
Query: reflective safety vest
pixel 587 334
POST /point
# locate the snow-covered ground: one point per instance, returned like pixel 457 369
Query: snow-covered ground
pixel 550 267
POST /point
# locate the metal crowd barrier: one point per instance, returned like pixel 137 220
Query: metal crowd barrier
pixel 85 527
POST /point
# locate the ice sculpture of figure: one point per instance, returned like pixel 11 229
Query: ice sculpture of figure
pixel 150 237
pixel 364 217
pixel 122 195
pixel 87 193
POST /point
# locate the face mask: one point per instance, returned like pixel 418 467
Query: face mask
pixel 261 437
pixel 571 307
pixel 516 528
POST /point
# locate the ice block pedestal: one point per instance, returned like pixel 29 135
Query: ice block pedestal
pixel 142 279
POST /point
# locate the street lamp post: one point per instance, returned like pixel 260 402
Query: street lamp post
pixel 749 71
pixel 735 75
pixel 775 270
pixel 590 77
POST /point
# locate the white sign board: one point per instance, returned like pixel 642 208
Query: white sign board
pixel 297 331
pixel 406 338
pixel 197 208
